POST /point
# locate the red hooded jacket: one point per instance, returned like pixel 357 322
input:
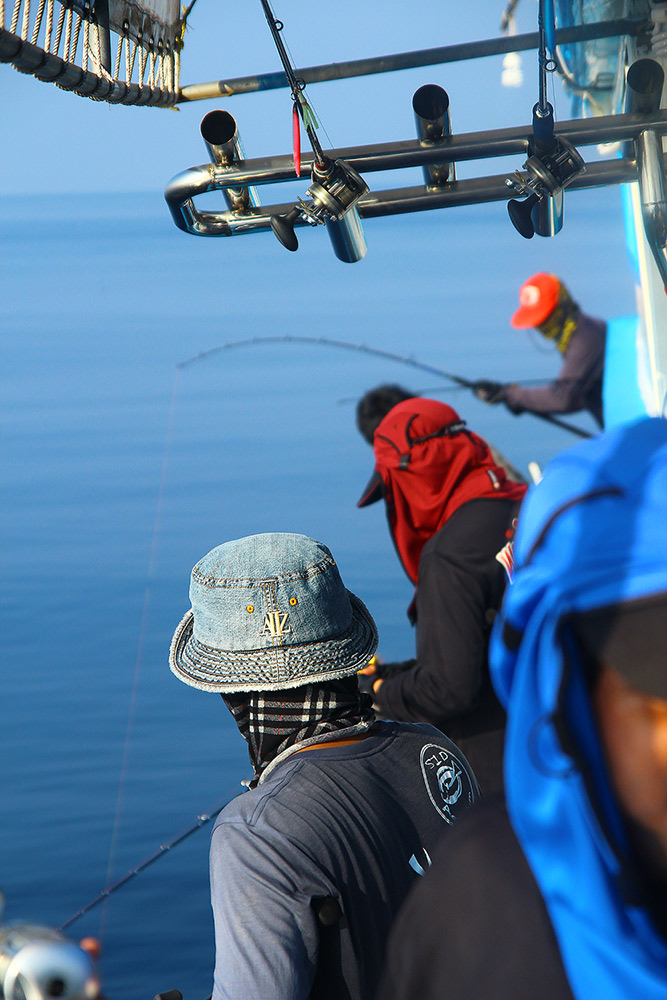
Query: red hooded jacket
pixel 430 465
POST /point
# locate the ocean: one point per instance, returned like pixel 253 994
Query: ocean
pixel 120 469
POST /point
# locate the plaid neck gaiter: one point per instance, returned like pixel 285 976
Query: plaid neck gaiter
pixel 273 722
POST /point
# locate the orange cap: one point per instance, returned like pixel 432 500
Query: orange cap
pixel 538 297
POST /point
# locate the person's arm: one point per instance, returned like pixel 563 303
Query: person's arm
pixel 451 635
pixel 563 395
pixel 582 364
pixel 265 930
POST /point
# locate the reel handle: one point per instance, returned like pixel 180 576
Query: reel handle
pixel 283 230
pixel 520 212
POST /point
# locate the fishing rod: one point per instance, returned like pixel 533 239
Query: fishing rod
pixel 201 820
pixel 377 352
pixel 459 388
pixel 301 106
pixel 335 188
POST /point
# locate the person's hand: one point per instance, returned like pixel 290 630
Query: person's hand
pixel 372 666
pixel 514 408
pixel 367 676
pixel 489 392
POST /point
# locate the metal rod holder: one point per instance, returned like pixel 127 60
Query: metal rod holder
pixel 183 189
pixel 223 143
pixel 645 81
pixel 347 237
pixel 431 109
pixel 651 172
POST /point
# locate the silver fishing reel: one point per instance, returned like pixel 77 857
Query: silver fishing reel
pixel 545 175
pixel 334 192
pixel 37 963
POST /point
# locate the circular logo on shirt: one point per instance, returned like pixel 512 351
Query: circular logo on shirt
pixel 447 780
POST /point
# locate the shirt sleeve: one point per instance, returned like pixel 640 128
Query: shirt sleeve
pixel 265 929
pixel 582 364
pixel 452 598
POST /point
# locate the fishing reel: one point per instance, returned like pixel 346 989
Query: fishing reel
pixel 335 190
pixel 547 172
pixel 37 963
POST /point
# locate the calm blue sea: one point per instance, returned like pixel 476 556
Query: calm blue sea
pixel 120 470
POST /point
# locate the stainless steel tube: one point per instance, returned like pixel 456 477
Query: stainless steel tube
pixel 347 236
pixel 187 185
pixel 644 84
pixel 652 194
pixel 410 60
pixel 431 109
pixel 547 215
pixel 221 138
pixel 468 146
pixel 643 91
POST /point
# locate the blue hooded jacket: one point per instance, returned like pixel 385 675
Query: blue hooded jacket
pixel 592 534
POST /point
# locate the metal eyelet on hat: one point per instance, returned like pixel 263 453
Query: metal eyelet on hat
pixel 293 601
pixel 250 609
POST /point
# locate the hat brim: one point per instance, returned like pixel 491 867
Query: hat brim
pixel 373 491
pixel 527 317
pixel 278 667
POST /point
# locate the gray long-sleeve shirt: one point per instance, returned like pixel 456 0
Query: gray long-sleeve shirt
pixel 579 382
pixel 348 823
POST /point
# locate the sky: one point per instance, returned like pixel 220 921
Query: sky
pixel 56 142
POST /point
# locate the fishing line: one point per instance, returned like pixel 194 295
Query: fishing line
pixel 140 650
pixel 435 389
pixel 377 352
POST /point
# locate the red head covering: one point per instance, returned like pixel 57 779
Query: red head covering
pixel 430 465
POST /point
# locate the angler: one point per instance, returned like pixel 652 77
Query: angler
pixel 346 345
pixel 546 304
pixel 450 509
pixel 309 867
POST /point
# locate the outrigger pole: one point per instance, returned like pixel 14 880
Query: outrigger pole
pixel 375 352
pixel 411 60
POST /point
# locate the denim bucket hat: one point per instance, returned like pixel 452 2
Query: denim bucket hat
pixel 270 612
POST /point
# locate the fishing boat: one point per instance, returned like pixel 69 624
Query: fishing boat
pixel 123 53
pixel 614 68
pixel 610 56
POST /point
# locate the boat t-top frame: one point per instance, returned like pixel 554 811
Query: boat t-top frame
pixel 549 165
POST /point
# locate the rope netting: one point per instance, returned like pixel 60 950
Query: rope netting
pixel 109 50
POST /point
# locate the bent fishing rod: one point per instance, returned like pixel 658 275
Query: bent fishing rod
pixel 448 389
pixel 377 352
